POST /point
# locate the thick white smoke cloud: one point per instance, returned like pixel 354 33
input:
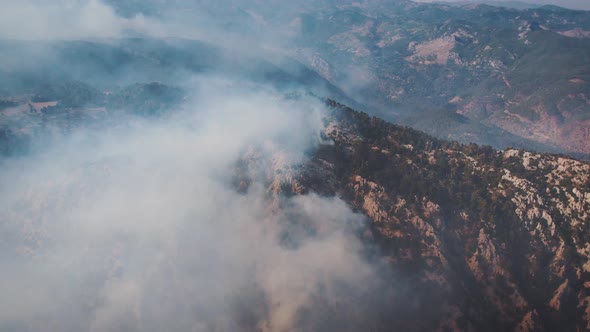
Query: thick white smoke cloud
pixel 41 20
pixel 63 19
pixel 139 228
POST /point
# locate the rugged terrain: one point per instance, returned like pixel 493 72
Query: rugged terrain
pixel 476 239
pixel 524 72
pixel 489 74
pixel 472 73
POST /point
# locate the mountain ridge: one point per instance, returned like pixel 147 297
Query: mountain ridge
pixel 474 227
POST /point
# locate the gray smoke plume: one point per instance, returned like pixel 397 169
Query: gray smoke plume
pixel 139 228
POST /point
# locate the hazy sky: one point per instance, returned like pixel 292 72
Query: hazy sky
pixel 577 4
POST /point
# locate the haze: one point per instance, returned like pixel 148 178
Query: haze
pixel 573 4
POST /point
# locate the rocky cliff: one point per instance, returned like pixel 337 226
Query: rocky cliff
pixel 474 238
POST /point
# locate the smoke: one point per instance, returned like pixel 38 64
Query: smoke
pixel 40 20
pixel 138 224
pixel 63 19
pixel 139 227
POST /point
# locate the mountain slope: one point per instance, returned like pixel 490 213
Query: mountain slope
pixel 511 69
pixel 27 66
pixel 517 71
pixel 459 237
pixel 481 239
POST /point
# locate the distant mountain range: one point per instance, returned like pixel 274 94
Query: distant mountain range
pixel 488 74
pixel 507 4
pixel 520 71
pixel 514 4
